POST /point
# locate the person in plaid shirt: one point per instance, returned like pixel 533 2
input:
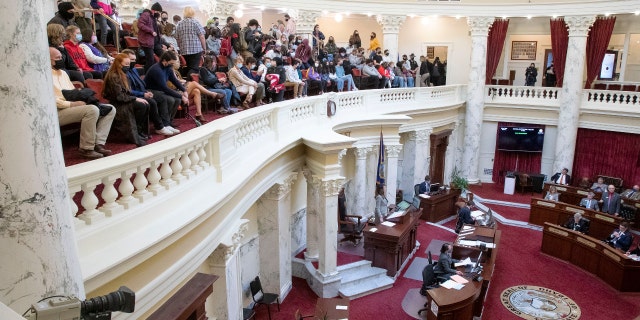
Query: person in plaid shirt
pixel 191 41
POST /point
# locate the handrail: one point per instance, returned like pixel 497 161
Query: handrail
pixel 116 36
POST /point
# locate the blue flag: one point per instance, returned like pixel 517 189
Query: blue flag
pixel 381 163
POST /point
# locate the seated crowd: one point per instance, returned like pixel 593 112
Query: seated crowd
pixel 174 66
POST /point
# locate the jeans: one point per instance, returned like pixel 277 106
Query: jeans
pixel 149 59
pixel 399 82
pixel 410 82
pixel 226 101
pixel 340 82
pixel 104 30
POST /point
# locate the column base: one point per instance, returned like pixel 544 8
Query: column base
pixel 325 286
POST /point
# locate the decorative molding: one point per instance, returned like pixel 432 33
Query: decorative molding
pixel 341 155
pixel 228 248
pixel 306 20
pixel 279 190
pixel 479 26
pixel 361 152
pixel 579 25
pixel 420 135
pixel 390 23
pixel 330 188
pixel 393 150
pixel 223 9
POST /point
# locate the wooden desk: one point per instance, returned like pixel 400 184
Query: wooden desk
pixel 390 247
pixel 440 206
pixel 464 304
pixel 326 308
pixel 542 211
pixel 570 194
pixel 592 255
pixel 188 302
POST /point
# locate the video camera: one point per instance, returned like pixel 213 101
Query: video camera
pixel 71 308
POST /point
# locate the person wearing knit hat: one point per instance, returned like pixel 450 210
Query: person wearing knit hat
pixel 156 7
pixel 65 15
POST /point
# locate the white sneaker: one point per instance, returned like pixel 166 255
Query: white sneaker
pixel 172 129
pixel 165 131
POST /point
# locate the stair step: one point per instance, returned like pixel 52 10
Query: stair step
pixel 362 289
pixel 354 265
pixel 361 274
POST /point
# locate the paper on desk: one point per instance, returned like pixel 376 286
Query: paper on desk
pixel 373 229
pixel 450 284
pixel 464 262
pixel 388 224
pixel 339 307
pixel 459 279
pixel 470 243
pixel 422 195
pixel 477 213
pixel 465 228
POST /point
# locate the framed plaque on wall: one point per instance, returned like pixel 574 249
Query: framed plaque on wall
pixel 524 50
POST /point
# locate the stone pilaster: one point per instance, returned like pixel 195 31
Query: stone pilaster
pixel 360 181
pixel 328 225
pixel 305 22
pixel 225 262
pixel 274 232
pixel 479 27
pixel 390 28
pixel 128 9
pixel 393 151
pixel 37 238
pixel 415 164
pixel 571 90
pixel 312 215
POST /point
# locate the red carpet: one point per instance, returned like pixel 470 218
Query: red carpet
pixel 495 191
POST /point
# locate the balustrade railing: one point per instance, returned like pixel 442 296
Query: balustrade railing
pixel 608 97
pixel 522 95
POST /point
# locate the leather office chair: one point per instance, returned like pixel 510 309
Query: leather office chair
pixel 524 182
pixel 350 230
pixel 261 297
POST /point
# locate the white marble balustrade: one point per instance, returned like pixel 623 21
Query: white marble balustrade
pixel 608 97
pixel 523 95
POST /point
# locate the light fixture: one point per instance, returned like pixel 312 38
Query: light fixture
pixel 458 17
pixel 529 17
pixel 338 17
pixel 241 6
pixel 347 13
pixel 369 14
pixel 325 12
pixel 411 15
pixel 238 13
pixel 424 20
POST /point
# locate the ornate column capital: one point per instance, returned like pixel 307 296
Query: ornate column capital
pixel 331 187
pixel 393 150
pixel 420 135
pixel 361 152
pixel 479 26
pixel 390 23
pixel 579 25
pixel 221 9
pixel 279 190
pixel 306 20
pixel 128 9
pixel 227 249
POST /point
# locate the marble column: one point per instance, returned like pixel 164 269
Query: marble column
pixel 453 153
pixel 360 180
pixel 571 90
pixel 274 220
pixel 479 27
pixel 392 171
pixel 327 224
pixel 422 155
pixel 128 9
pixel 311 252
pixel 390 28
pixel 38 244
pixel 415 162
pixel 305 22
pixel 225 263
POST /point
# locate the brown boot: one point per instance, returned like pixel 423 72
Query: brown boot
pixel 89 154
pixel 99 148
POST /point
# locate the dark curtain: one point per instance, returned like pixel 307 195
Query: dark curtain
pixel 495 43
pixel 614 154
pixel 503 161
pixel 597 44
pixel 559 43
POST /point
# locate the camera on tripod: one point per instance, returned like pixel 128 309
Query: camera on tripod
pixel 71 308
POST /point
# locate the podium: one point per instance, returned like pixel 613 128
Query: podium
pixel 509 185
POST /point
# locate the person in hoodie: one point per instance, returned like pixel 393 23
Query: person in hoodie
pixel 72 45
pixel 303 53
pixel 65 15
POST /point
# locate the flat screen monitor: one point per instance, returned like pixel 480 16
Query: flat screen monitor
pixel 403 205
pixel 434 187
pixel 522 138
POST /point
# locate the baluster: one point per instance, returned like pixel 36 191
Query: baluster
pixel 73 208
pixel 165 173
pixel 185 162
pixel 140 183
pixel 154 179
pixel 203 156
pixel 195 161
pixel 126 189
pixel 109 195
pixel 176 167
pixel 89 203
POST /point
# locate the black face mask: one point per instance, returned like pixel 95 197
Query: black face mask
pixel 156 15
pixel 126 69
pixel 58 64
pixel 165 19
pixel 132 65
pixel 66 15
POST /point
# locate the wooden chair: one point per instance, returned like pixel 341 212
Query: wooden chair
pixel 350 230
pixel 132 43
pixel 357 77
pixel 223 63
pixel 524 182
pixel 616 182
pixel 261 297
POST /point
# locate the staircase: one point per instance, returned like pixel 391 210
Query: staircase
pixel 360 279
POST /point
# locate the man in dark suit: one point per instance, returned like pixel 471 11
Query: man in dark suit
pixel 633 193
pixel 425 186
pixel 589 202
pixel 621 237
pixel 577 223
pixel 611 201
pixel 443 268
pixel 562 177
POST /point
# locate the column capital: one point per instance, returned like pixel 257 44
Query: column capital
pixel 420 135
pixel 361 152
pixel 306 20
pixel 228 247
pixel 391 23
pixel 282 188
pixel 331 187
pixel 579 25
pixel 128 9
pixel 393 150
pixel 219 8
pixel 479 26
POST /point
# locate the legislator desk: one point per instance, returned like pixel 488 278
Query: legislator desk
pixel 570 194
pixel 391 247
pixel 439 206
pixel 601 224
pixel 332 309
pixel 466 303
pixel 592 255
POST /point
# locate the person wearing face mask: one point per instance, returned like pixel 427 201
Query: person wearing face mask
pixel 341 77
pixel 245 84
pixel 156 81
pixel 314 80
pixel 132 113
pixel 168 33
pixel 377 56
pixel 103 8
pixel 190 36
pixel 331 48
pixel 94 129
pixel 209 78
pixel 96 55
pixel 303 53
pixel 354 40
pixel 65 15
pixel 72 45
pixel 149 34
pixel 386 57
pixel 55 36
pixel 374 43
pixel 164 19
pixel 290 28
